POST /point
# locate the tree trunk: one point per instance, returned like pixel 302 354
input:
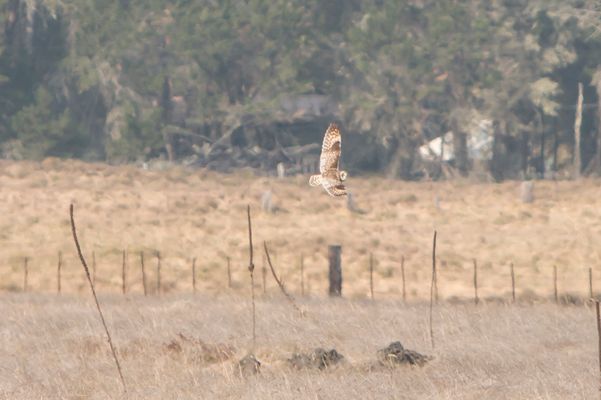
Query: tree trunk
pixel 597 82
pixel 459 142
pixel 166 108
pixel 400 162
pixel 393 169
pixel 555 146
pixel 168 146
pixel 524 153
pixel 542 155
pixel 577 125
pixel 460 150
pixel 594 166
pixel 496 163
pixel 542 144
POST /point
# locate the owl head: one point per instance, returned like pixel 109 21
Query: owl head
pixel 343 175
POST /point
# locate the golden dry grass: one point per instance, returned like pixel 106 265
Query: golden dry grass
pixel 53 348
pixel 190 213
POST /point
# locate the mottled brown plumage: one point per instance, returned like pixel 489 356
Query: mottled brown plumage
pixel 330 176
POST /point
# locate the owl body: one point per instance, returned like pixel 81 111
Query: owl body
pixel 330 176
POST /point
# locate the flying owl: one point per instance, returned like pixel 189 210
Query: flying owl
pixel 330 177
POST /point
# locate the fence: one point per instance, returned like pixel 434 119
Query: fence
pixel 151 272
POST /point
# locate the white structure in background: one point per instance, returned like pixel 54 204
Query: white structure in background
pixel 479 144
pixel 267 202
pixel 438 149
pixel 526 191
pixel 281 170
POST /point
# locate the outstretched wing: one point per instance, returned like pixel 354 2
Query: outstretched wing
pixel 315 180
pixel 330 150
pixel 334 188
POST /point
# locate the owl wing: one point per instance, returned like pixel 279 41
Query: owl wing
pixel 333 187
pixel 330 150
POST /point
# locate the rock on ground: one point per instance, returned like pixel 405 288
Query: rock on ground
pixel 395 353
pixel 318 358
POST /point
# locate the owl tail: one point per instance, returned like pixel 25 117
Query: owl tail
pixel 315 180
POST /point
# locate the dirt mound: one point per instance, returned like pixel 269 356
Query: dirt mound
pixel 395 354
pixel 249 365
pixel 318 358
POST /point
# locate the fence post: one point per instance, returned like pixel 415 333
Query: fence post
pixel 25 273
pixel 590 283
pixel 598 314
pixel 123 277
pixel 371 275
pixel 264 274
pixel 403 278
pixel 58 272
pixel 335 276
pixel 143 273
pixel 93 267
pixel 476 299
pixel 434 271
pixel 555 284
pixel 229 274
pixel 432 286
pixel 302 275
pixel 194 275
pixel 512 283
pixel 159 273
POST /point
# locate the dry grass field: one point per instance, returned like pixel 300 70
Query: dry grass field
pixel 190 213
pixel 53 348
pixel 181 345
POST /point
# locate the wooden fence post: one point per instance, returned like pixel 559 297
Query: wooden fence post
pixel 335 276
pixel 476 300
pixel 432 286
pixel 590 283
pixel 143 273
pixel 403 278
pixel 123 277
pixel 512 283
pixel 58 272
pixel 159 273
pixel 229 274
pixel 434 271
pixel 93 267
pixel 194 275
pixel 555 296
pixel 264 274
pixel 25 273
pixel 302 275
pixel 598 336
pixel 371 275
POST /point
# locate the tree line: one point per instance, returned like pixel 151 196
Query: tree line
pixel 139 79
